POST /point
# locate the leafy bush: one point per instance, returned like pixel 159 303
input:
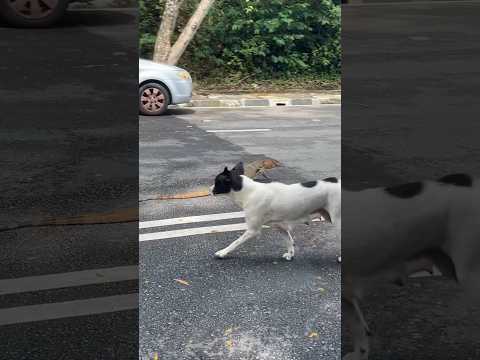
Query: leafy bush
pixel 258 38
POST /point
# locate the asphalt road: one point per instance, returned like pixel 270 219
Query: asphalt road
pixel 409 91
pixel 69 291
pixel 254 305
pixel 410 112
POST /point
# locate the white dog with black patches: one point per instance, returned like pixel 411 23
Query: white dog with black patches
pixel 398 230
pixel 278 204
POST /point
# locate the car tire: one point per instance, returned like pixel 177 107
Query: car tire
pixel 45 13
pixel 153 99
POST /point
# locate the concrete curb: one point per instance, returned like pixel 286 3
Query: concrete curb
pixel 262 102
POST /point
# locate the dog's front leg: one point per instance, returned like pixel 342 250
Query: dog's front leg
pixel 247 235
pixel 290 247
pixel 360 332
pixel 289 240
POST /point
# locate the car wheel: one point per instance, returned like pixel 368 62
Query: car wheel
pixel 32 13
pixel 154 99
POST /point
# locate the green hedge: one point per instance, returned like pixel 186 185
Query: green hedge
pixel 260 38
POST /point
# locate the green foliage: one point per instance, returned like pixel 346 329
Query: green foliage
pixel 149 13
pixel 259 38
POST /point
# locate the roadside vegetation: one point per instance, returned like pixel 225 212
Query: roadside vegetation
pixel 247 45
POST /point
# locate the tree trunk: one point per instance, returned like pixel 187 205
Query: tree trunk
pixel 189 31
pixel 165 31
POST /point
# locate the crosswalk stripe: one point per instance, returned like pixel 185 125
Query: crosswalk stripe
pixel 192 231
pixel 170 234
pixel 191 219
pixel 68 279
pixel 51 311
pixel 237 130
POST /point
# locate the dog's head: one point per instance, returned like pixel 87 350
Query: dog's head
pixel 228 180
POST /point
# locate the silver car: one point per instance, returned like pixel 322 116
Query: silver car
pixel 161 85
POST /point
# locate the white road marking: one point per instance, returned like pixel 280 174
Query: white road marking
pixel 191 219
pixel 192 231
pixel 256 107
pixel 420 38
pixel 50 311
pixel 69 279
pixel 436 272
pixel 237 130
pixel 161 235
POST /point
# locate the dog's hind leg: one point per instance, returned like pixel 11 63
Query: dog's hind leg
pixel 360 333
pixel 460 258
pixel 247 235
pixel 361 317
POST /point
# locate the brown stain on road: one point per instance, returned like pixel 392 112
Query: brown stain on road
pixel 116 216
pixel 252 169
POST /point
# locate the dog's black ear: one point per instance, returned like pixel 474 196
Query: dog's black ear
pixel 235 176
pixel 239 169
pixel 226 171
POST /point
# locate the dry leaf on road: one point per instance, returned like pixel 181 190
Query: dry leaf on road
pixel 229 344
pixel 183 282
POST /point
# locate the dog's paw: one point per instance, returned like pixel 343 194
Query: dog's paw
pixel 287 256
pixel 339 259
pixel 221 254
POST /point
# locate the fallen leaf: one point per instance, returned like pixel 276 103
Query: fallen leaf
pixel 321 289
pixel 312 334
pixel 155 356
pixel 229 344
pixel 183 282
pixel 228 331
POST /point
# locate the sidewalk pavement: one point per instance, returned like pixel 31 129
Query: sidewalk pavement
pixel 265 99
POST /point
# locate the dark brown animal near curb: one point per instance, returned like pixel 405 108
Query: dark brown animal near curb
pixel 252 170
